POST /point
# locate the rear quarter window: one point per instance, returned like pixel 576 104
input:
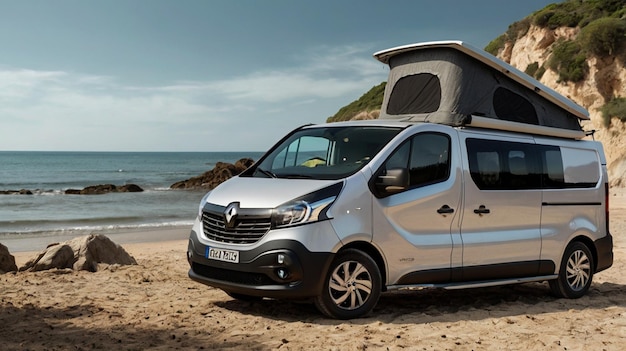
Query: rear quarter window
pixel 580 168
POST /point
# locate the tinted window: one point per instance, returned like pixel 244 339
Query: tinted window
pixel 500 165
pixel 418 93
pixel 570 168
pixel 430 161
pixel 426 156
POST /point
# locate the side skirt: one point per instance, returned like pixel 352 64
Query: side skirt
pixel 476 284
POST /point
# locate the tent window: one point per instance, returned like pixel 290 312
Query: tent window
pixel 510 106
pixel 418 93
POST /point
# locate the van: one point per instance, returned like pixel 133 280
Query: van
pixel 475 175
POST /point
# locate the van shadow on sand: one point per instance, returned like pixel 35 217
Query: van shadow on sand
pixel 438 305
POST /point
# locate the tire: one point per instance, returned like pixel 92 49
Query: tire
pixel 352 286
pixel 576 272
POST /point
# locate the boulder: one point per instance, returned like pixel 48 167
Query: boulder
pixel 16 192
pixel 105 189
pixel 82 253
pixel 210 179
pixel 7 261
pixel 54 256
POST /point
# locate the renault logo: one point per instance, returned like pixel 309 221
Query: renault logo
pixel 230 214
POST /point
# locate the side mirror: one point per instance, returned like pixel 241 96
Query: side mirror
pixel 393 181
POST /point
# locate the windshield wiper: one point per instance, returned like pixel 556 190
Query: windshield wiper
pixel 267 173
pixel 296 176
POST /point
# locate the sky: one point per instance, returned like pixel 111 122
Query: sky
pixel 206 75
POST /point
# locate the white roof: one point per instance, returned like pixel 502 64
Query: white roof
pixel 494 62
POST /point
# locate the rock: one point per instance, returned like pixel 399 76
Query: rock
pixel 129 188
pixel 210 179
pixel 105 189
pixel 16 192
pixel 7 261
pixel 82 253
pixel 54 256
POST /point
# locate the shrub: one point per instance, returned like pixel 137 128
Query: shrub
pixel 532 68
pixel 569 61
pixel 518 29
pixel 541 17
pixel 614 108
pixel 603 36
pixel 540 72
pixel 564 19
pixel 372 100
pixel 495 45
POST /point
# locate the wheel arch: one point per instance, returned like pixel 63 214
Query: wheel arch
pixel 371 251
pixel 592 247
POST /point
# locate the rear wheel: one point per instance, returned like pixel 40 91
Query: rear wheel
pixel 352 286
pixel 576 272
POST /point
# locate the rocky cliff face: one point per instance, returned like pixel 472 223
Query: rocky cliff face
pixel 606 79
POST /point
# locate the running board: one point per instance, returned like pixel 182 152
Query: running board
pixel 477 284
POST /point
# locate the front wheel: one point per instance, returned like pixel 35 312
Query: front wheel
pixel 352 286
pixel 576 272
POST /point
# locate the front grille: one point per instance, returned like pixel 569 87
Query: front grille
pixel 237 277
pixel 247 230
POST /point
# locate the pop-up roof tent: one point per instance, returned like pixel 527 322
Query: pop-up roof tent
pixel 450 82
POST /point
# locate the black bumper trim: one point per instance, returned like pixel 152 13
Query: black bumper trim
pixel 256 272
pixel 604 249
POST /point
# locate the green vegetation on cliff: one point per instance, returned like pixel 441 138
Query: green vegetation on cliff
pixel 602 33
pixel 614 108
pixel 372 100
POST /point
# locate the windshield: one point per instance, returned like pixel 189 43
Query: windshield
pixel 324 153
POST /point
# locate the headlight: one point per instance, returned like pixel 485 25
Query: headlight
pixel 309 208
pixel 202 203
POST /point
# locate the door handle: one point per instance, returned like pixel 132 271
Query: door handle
pixel 445 209
pixel 481 210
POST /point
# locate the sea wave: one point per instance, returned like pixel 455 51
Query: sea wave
pixel 86 228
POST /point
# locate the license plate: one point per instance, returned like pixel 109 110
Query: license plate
pixel 222 255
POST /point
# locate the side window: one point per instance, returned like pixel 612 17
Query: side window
pixel 553 177
pixel 510 106
pixel 499 165
pixel 417 93
pixel 486 169
pixel 570 168
pixel 430 161
pixel 422 160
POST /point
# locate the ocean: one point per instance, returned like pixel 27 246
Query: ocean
pixel 48 174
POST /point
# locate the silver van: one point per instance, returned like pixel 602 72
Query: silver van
pixel 449 189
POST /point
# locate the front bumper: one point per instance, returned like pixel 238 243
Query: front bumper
pixel 260 271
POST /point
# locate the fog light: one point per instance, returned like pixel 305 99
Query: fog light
pixel 281 258
pixel 282 273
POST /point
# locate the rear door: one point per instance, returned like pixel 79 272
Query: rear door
pixel 501 220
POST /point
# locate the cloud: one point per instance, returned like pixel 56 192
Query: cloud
pixel 66 103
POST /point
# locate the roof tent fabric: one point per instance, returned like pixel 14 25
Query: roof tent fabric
pixel 444 85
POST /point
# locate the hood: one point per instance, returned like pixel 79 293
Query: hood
pixel 253 192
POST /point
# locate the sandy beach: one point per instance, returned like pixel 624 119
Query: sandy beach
pixel 154 305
